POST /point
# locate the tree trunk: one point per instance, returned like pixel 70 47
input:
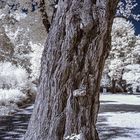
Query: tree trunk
pixel 78 43
pixel 113 86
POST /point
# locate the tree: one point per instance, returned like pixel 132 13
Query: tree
pixel 20 39
pixel 77 45
pixel 123 42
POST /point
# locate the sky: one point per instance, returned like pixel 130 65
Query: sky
pixel 137 26
pixel 137 23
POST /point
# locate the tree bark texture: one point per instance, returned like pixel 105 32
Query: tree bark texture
pixel 77 45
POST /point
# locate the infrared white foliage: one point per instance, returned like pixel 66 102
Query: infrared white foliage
pixel 132 75
pixel 14 84
pixel 8 109
pixel 126 9
pixel 122 39
pixel 8 96
pixel 125 53
pixel 12 34
pixel 18 15
pixel 36 54
pixel 13 77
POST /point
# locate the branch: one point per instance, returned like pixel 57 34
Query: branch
pixel 45 19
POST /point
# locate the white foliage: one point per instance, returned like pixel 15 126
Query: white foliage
pixel 21 29
pixel 8 109
pixel 2 15
pixel 123 34
pixel 125 53
pixel 126 9
pixel 115 68
pixel 125 48
pixel 136 50
pixel 36 54
pixel 132 75
pixel 18 15
pixel 105 81
pixel 13 84
pixel 8 96
pixel 12 77
pixel 12 34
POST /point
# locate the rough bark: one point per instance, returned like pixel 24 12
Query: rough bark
pixel 72 63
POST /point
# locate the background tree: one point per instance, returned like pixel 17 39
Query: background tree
pixel 77 45
pixel 22 36
pixel 123 42
pixel 123 60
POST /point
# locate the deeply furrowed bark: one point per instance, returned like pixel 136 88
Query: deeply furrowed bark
pixel 72 63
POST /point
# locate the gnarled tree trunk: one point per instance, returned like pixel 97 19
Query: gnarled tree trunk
pixel 72 63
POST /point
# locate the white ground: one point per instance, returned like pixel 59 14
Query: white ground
pixel 120 99
pixel 126 122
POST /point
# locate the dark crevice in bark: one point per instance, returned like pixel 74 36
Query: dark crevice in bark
pixel 94 1
pixel 54 9
pixel 45 19
pixel 77 40
pixel 89 37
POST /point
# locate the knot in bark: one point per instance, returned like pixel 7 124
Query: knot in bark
pixel 79 92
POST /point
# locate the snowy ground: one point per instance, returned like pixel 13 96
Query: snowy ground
pixel 14 127
pixel 119 117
